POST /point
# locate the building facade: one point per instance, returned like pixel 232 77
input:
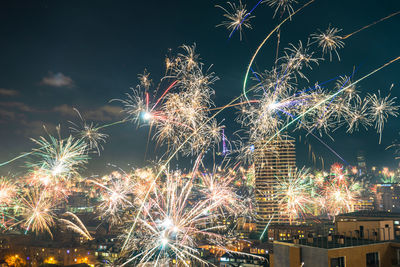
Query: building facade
pixel 387 197
pixel 273 161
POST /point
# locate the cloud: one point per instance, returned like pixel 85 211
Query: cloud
pixel 16 105
pixel 8 92
pixel 103 113
pixel 57 80
pixel 13 112
pixel 7 115
pixel 65 110
pixel 36 128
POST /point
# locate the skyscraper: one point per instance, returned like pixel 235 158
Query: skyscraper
pixel 362 166
pixel 273 161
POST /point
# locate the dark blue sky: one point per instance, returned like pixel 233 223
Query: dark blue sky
pixel 56 55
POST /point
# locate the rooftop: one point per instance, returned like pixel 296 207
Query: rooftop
pixel 335 241
pixel 369 214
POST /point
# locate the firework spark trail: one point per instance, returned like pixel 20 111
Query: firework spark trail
pixel 234 105
pixel 161 97
pixel 316 137
pixel 331 149
pixel 330 97
pixel 77 227
pixel 369 25
pixel 264 41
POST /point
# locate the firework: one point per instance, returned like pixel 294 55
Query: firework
pixel 336 192
pixel 89 133
pixel 329 41
pixel 8 191
pixel 381 108
pixel 218 189
pixel 76 226
pixel 145 80
pixel 59 158
pixel 238 18
pixel 181 112
pixel 282 5
pixel 180 212
pixel 114 200
pixel 37 209
pixel 294 194
pixel 170 225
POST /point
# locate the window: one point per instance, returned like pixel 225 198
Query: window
pixel 398 256
pixel 372 259
pixel 337 262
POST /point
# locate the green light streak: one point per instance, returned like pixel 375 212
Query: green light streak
pixel 262 44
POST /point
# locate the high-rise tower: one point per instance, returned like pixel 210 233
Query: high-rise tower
pixel 273 161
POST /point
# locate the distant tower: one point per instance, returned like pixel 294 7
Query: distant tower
pixel 361 164
pixel 273 161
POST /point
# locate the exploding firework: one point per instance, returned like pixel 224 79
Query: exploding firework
pixel 381 108
pixel 8 191
pixel 238 18
pixel 294 194
pixel 281 6
pixel 37 211
pixel 115 198
pixel 181 112
pixel 59 158
pixel 180 212
pixel 329 41
pixel 89 133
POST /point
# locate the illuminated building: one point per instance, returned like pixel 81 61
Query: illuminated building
pixel 364 203
pixel 387 197
pixel 364 238
pixel 361 164
pixel 273 161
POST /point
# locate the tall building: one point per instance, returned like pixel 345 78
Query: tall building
pixel 361 164
pixel 387 197
pixel 273 161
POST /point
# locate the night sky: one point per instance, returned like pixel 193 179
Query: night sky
pixel 56 55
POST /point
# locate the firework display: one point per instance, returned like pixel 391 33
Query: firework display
pixel 166 213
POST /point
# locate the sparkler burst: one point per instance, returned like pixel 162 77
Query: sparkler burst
pixel 238 18
pixel 294 194
pixel 283 6
pixel 89 133
pixel 59 158
pixel 37 209
pixel 115 197
pixel 8 191
pixel 329 41
pixel 381 108
pixel 174 220
pixel 181 112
